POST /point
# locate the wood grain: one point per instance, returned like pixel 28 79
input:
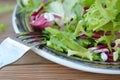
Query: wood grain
pixel 33 67
pixel 49 72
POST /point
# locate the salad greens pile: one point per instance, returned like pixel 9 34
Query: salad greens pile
pixel 87 29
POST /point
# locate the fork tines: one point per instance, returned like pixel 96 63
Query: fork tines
pixel 29 38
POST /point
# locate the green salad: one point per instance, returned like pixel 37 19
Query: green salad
pixel 87 29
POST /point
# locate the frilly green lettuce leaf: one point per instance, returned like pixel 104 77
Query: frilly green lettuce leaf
pixel 86 2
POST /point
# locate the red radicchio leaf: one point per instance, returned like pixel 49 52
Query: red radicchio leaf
pixel 44 20
pixel 39 21
pixel 104 49
pixel 85 9
pixel 57 16
pixel 36 14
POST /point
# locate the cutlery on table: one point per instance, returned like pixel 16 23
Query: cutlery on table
pixel 15 46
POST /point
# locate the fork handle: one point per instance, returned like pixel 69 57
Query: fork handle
pixel 11 51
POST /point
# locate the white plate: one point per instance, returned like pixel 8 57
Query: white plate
pixel 62 59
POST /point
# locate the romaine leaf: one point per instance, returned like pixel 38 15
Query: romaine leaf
pixel 86 54
pixel 60 40
pixel 78 10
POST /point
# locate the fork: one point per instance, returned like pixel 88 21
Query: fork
pixel 15 46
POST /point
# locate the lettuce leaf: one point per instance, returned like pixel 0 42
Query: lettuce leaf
pixel 98 15
pixel 65 41
pixel 86 2
pixel 116 54
pixel 102 15
pixel 85 54
pixel 68 6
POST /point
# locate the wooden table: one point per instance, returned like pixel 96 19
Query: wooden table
pixel 33 67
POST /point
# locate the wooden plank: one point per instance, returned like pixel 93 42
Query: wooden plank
pixel 30 57
pixel 49 72
pixel 40 68
pixel 6 18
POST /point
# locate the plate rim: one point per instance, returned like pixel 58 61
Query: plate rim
pixel 61 61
